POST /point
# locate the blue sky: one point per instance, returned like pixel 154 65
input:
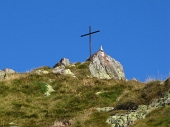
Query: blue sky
pixel 38 33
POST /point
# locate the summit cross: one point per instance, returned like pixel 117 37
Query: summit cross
pixel 90 40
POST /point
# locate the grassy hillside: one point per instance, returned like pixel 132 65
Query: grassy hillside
pixel 22 99
pixel 158 118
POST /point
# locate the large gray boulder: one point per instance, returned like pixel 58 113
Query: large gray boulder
pixel 62 62
pixel 105 67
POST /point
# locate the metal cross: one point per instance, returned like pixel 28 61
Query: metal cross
pixel 90 42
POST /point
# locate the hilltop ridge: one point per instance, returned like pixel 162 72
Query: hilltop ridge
pixel 69 95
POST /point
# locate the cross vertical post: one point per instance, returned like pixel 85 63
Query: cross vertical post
pixel 90 41
pixel 90 38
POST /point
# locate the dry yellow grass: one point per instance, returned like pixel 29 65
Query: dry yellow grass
pixel 74 99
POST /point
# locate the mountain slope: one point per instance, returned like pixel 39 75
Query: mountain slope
pixel 74 99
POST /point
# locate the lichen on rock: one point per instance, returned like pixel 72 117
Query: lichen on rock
pixel 105 109
pixel 133 115
pixel 105 67
pixel 61 70
pixel 49 90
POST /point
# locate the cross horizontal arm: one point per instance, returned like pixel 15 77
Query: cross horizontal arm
pixel 90 33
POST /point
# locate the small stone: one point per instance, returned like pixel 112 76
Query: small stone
pixel 97 93
pixel 45 72
pixel 105 109
pixel 11 123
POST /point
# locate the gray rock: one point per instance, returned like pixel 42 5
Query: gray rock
pixel 62 70
pixel 2 74
pixel 49 90
pixel 9 71
pixel 134 79
pixel 100 92
pixel 39 72
pixel 63 123
pixel 58 70
pixel 68 72
pixel 12 124
pixel 105 67
pixel 64 62
pixel 105 109
pixel 168 101
pixel 128 118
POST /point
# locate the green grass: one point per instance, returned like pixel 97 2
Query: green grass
pixel 100 119
pixel 80 69
pixel 23 101
pixel 157 118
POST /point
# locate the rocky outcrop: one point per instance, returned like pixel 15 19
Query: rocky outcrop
pixel 62 70
pixel 9 71
pixel 44 70
pixel 2 74
pixel 39 72
pixel 124 120
pixel 63 61
pixel 5 72
pixel 59 68
pixel 105 67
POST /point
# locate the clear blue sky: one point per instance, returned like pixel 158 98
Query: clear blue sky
pixel 136 33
